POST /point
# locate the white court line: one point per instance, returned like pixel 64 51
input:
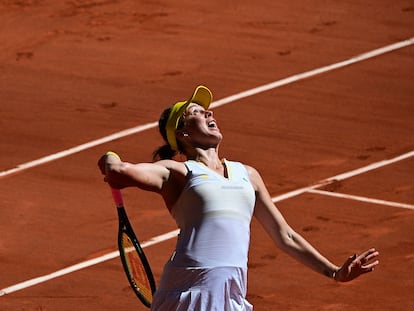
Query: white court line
pixel 304 75
pixel 173 234
pixel 362 199
pixel 226 100
pixel 67 152
pixel 371 167
pixel 343 176
pixel 84 264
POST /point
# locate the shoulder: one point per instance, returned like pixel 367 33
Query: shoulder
pixel 251 170
pixel 255 177
pixel 174 180
pixel 170 164
pixel 173 166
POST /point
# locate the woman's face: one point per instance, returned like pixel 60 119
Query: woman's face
pixel 201 127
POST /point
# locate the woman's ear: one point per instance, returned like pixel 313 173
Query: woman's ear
pixel 182 138
pixel 181 133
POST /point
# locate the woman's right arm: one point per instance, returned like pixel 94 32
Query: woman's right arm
pixel 120 174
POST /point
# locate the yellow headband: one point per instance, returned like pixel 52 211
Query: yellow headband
pixel 201 96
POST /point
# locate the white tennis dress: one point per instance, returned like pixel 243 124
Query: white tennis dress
pixel 208 270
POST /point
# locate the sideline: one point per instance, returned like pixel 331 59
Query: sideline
pixel 362 199
pixel 173 234
pixel 226 100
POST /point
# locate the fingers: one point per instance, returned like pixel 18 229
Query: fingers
pixel 356 265
pixel 367 256
pixel 370 267
pixel 103 161
pixel 369 253
pixel 102 164
pixel 350 260
pixel 364 262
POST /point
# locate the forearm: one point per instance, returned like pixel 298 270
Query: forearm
pixel 120 174
pixel 297 247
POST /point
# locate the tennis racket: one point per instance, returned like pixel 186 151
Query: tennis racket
pixel 134 261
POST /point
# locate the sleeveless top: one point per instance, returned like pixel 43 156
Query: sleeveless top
pixel 214 215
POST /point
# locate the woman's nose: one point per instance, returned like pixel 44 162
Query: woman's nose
pixel 209 113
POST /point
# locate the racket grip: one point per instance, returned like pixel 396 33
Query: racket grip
pixel 117 195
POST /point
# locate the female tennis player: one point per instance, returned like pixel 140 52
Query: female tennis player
pixel 212 200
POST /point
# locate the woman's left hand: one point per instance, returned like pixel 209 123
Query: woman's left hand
pixel 356 265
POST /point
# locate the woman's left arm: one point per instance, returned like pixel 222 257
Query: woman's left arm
pixel 295 245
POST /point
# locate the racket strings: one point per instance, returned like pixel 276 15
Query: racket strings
pixel 136 269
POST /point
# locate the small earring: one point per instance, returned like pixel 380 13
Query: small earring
pixel 185 134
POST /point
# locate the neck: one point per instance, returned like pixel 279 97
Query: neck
pixel 208 157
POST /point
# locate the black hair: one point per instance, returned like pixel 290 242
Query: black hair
pixel 165 151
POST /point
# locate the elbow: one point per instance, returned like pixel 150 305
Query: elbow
pixel 287 239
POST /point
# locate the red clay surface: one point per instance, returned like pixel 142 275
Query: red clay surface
pixel 75 71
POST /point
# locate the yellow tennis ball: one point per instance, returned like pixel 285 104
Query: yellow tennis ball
pixel 113 154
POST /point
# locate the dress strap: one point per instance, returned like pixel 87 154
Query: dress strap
pixel 189 171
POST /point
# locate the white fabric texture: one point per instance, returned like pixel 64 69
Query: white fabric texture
pixel 208 270
pixel 213 289
pixel 214 214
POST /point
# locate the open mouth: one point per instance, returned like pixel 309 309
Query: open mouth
pixel 212 124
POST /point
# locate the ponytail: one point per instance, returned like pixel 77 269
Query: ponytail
pixel 163 153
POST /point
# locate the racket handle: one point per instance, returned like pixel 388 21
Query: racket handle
pixel 117 195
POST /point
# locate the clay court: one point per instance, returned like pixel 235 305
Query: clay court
pixel 316 95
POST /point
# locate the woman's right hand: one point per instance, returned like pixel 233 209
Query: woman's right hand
pixel 103 161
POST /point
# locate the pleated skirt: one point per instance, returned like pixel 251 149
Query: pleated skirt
pixel 202 289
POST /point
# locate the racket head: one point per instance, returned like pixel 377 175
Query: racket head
pixel 134 261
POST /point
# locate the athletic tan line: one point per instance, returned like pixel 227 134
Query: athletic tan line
pixel 226 100
pixel 173 234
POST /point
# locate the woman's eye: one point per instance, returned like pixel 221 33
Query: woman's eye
pixel 196 111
